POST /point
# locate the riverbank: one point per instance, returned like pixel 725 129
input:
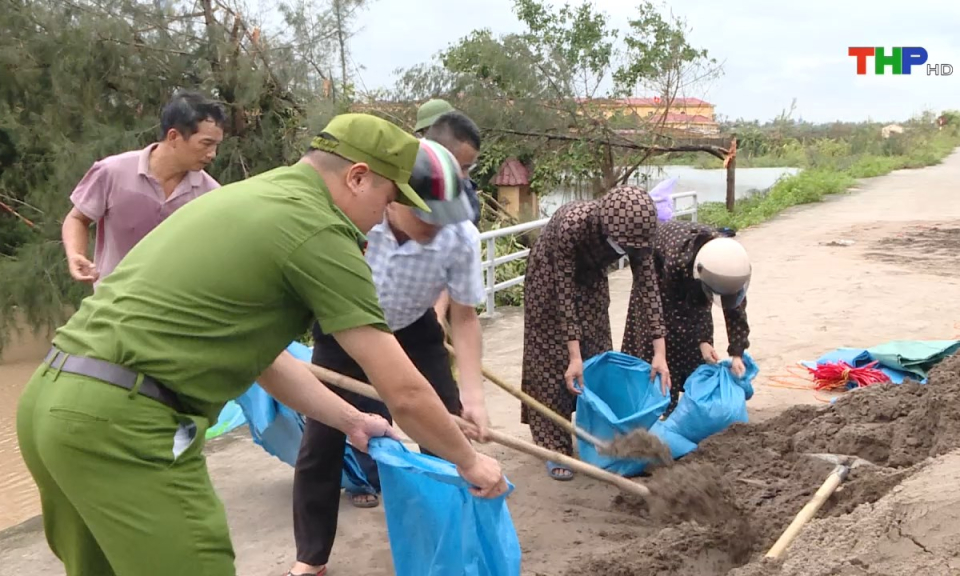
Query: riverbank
pixel 900 290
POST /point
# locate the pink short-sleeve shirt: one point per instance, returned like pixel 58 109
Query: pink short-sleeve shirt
pixel 127 202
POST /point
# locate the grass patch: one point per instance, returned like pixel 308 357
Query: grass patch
pixel 803 188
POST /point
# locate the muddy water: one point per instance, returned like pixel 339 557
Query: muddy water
pixel 18 494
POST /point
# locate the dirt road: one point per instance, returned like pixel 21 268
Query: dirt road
pixel 896 280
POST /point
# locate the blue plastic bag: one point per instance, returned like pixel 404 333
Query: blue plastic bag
pixel 679 446
pixel 354 479
pixel 275 427
pixel 617 398
pixel 713 399
pixel 278 429
pixel 435 526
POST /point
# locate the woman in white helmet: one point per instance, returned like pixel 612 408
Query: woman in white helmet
pixel 697 266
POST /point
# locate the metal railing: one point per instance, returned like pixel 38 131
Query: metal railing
pixel 491 260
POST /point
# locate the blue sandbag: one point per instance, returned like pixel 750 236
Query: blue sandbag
pixel 273 426
pixel 679 446
pixel 713 399
pixel 278 429
pixel 617 398
pixel 435 526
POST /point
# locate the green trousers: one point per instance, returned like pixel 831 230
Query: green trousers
pixel 123 481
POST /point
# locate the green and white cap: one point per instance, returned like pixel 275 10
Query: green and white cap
pixel 439 182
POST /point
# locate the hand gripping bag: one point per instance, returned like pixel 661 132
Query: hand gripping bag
pixel 713 399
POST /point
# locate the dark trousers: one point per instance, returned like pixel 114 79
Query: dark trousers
pixel 316 481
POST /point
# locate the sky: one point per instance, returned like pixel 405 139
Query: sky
pixel 767 60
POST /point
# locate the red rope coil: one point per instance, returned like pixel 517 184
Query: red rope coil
pixel 834 375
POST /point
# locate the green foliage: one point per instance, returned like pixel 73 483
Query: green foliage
pixel 85 79
pixel 504 246
pixel 803 188
pixel 532 91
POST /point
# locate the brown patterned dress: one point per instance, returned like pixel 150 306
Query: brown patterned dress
pixel 686 308
pixel 567 296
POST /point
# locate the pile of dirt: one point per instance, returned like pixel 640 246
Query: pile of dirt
pixel 913 529
pixel 763 474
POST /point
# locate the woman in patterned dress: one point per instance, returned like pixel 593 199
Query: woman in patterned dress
pixel 566 297
pixel 686 305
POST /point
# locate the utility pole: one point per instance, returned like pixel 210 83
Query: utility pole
pixel 338 12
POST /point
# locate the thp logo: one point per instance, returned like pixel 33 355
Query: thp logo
pixel 899 59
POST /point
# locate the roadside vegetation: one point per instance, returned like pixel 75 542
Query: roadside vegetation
pixel 830 165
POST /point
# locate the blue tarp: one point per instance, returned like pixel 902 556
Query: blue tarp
pixel 891 358
pixel 619 398
pixel 858 358
pixel 435 526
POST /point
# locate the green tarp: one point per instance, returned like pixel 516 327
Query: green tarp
pixel 914 356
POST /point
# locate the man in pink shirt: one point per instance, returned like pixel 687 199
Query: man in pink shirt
pixel 130 194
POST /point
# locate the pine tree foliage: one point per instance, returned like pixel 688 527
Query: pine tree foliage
pixel 546 79
pixel 84 79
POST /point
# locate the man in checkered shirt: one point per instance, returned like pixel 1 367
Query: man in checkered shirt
pixel 413 262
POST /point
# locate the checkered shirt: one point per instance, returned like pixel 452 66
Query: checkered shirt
pixel 410 277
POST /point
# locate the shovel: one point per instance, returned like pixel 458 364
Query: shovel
pixel 843 466
pixel 368 391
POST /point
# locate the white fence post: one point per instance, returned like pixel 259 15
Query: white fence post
pixel 491 275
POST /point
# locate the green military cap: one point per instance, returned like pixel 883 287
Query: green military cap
pixel 386 148
pixel 428 113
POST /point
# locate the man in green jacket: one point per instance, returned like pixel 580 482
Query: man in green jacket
pixel 112 424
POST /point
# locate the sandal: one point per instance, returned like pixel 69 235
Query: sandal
pixel 556 471
pixel 319 572
pixel 364 500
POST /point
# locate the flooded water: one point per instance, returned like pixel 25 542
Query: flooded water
pixel 710 185
pixel 18 494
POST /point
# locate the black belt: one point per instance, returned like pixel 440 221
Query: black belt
pixel 112 374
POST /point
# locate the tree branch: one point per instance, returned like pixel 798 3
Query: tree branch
pixel 717 151
pixel 17 214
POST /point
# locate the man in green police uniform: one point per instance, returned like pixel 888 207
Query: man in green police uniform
pixel 112 424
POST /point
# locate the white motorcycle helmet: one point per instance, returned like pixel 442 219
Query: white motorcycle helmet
pixel 723 269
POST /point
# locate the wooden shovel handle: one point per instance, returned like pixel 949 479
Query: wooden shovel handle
pixel 808 511
pixel 538 406
pixel 368 391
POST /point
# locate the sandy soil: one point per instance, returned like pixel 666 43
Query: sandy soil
pixel 810 295
pixel 757 476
